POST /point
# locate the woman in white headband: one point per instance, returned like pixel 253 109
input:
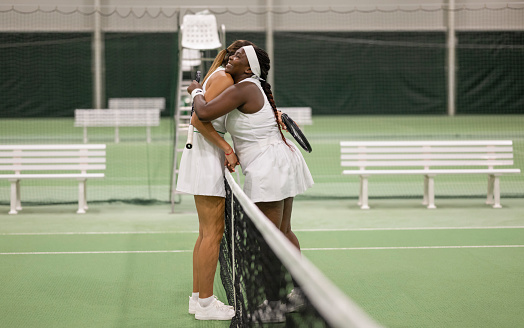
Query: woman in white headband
pixel 275 171
pixel 201 174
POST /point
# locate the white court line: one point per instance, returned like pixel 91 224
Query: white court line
pixel 96 252
pixel 407 247
pixel 93 233
pixel 409 228
pixel 303 249
pixel 296 230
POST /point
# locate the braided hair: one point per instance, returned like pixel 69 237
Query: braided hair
pixel 264 62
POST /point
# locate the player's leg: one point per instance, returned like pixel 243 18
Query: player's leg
pixel 285 227
pixel 210 211
pixel 273 211
pixel 272 309
pixel 194 297
pixel 295 299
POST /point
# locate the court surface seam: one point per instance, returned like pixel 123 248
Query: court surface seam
pixel 296 230
pixel 303 249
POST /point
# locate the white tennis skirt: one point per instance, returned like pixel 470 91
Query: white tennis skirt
pixel 273 171
pixel 201 170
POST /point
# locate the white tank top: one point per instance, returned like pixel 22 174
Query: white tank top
pixel 219 123
pixel 258 128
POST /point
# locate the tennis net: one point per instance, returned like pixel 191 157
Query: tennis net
pixel 258 263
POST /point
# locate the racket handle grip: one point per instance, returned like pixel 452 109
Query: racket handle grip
pixel 189 142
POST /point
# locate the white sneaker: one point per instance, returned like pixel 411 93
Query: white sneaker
pixel 296 300
pixel 269 312
pixel 193 303
pixel 214 311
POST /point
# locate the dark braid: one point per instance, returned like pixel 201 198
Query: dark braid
pixel 263 60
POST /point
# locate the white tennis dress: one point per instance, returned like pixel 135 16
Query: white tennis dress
pixel 201 170
pixel 273 170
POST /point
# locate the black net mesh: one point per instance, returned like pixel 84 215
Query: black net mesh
pixel 255 271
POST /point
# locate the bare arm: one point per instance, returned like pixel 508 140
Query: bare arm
pixel 220 81
pixel 244 96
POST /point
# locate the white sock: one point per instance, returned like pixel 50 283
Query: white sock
pixel 205 301
pixel 194 296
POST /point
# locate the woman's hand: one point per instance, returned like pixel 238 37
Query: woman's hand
pixel 279 121
pixel 194 85
pixel 231 160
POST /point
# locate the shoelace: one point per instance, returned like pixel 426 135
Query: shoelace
pixel 221 303
pixel 221 306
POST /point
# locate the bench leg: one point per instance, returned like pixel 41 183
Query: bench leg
pixel 425 197
pixel 496 191
pixel 117 135
pixel 489 199
pixel 81 196
pixel 431 191
pixel 18 199
pixel 14 193
pixel 360 193
pixel 148 132
pixel 364 192
pixel 85 196
pixel 85 135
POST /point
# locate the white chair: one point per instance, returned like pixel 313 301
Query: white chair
pixel 200 32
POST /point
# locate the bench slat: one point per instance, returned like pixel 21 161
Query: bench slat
pixel 423 150
pixel 137 103
pixel 52 176
pixel 64 167
pixel 51 160
pixel 52 147
pixel 116 117
pixel 426 156
pixel 426 163
pixel 430 171
pixel 17 153
pixel 427 143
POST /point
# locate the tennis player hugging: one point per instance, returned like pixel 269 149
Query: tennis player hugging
pixel 275 171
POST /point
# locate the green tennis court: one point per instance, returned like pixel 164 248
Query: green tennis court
pixel 126 265
pixel 385 71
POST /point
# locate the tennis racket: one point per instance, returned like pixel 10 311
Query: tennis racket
pixel 295 131
pixel 189 142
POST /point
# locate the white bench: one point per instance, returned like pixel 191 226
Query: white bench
pixel 428 158
pixel 137 103
pixel 51 162
pixel 301 115
pixel 117 118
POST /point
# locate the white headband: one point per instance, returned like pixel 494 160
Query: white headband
pixel 252 59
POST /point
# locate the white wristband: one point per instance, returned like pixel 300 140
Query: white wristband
pixel 195 93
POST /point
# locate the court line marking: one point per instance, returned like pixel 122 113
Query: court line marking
pixel 408 247
pixel 303 249
pixel 97 252
pixel 94 233
pixel 410 228
pixel 296 230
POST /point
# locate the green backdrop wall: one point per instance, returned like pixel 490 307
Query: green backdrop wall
pixel 365 73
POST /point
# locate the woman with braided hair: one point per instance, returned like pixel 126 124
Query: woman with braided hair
pixel 275 171
pixel 202 175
